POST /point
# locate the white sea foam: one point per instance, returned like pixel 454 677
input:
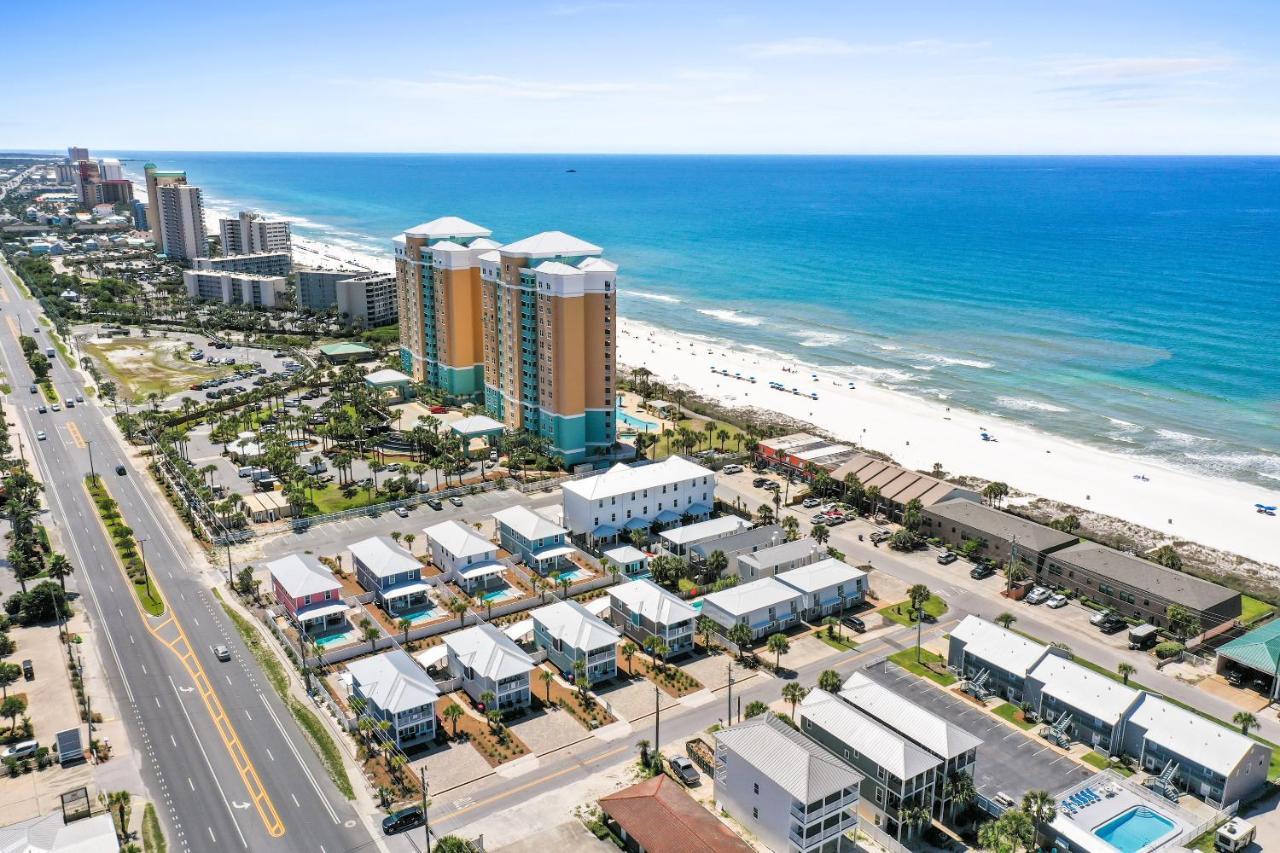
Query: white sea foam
pixel 728 315
pixel 888 347
pixel 820 339
pixel 1264 464
pixel 1183 438
pixel 656 297
pixel 1019 404
pixel 925 367
pixel 950 361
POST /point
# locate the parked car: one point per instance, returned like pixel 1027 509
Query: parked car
pixel 40 436
pixel 1056 600
pixel 120 469
pixel 683 770
pixel 435 503
pixel 1112 624
pixel 1099 617
pixel 222 653
pixel 980 572
pixel 881 536
pixel 759 481
pixel 34 389
pixel 403 512
pixel 42 409
pixel 810 503
pixel 854 622
pixel 403 820
pixel 1038 595
pixel 56 407
pixel 455 500
pixel 732 469
pixel 946 558
pixel 28 670
pixel 771 486
pixel 20 750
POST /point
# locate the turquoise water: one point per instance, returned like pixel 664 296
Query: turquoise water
pixel 495 595
pixel 574 575
pixel 418 614
pixel 1129 302
pixel 1135 829
pixel 335 638
pixel 638 423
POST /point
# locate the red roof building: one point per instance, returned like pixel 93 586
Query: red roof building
pixel 657 816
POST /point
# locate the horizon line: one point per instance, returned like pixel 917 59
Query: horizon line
pixel 796 154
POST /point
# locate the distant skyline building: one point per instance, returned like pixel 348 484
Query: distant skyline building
pixel 179 212
pixel 156 178
pixel 65 173
pixel 358 297
pixel 236 288
pixel 140 222
pixel 528 327
pixel 86 174
pixel 109 168
pixel 99 182
pixel 251 233
pixel 75 152
pixel 263 263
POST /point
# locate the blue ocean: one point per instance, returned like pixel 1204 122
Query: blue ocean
pixel 1129 302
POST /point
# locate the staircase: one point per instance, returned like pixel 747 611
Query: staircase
pixel 1164 783
pixel 1058 733
pixel 977 686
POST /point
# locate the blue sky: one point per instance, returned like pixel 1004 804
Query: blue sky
pixel 912 76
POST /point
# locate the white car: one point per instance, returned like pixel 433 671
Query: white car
pixel 403 512
pixel 731 469
pixel 40 436
pixel 1056 601
pixel 1038 595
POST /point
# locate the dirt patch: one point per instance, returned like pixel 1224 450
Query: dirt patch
pixel 145 366
pixel 587 710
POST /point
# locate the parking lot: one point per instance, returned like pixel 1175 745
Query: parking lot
pixel 1009 761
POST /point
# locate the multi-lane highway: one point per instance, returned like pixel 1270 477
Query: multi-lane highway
pixel 220 754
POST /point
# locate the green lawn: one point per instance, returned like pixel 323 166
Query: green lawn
pixel 1251 609
pixel 925 669
pixel 902 614
pixel 152 835
pixel 330 499
pixel 1010 712
pixel 840 644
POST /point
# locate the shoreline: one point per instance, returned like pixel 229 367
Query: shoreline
pixel 917 433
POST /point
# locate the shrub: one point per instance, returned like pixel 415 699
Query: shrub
pixel 1164 651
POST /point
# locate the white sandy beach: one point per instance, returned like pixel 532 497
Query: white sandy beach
pixel 918 433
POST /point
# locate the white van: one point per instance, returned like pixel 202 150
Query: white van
pixel 246 471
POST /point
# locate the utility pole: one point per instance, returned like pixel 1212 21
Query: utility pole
pixel 656 711
pixel 426 819
pixel 728 713
pixel 142 549
pixel 92 474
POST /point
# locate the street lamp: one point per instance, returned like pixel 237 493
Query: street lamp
pixel 92 474
pixel 142 548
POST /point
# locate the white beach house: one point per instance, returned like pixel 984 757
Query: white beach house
pixel 765 606
pixel 641 609
pixel 678 540
pixel 464 556
pixel 396 689
pixel 488 661
pixel 538 542
pixel 638 497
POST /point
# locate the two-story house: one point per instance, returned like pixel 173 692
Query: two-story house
pixel 392 573
pixel 765 606
pixel 993 658
pixel 395 688
pixel 464 556
pixel 827 587
pixel 1086 706
pixel 539 543
pixel 789 792
pixel 896 773
pixel 638 497
pixel 308 592
pixel 569 633
pixel 488 661
pixel 641 609
pixel 777 559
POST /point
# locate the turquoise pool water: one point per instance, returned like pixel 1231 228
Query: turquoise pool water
pixel 495 595
pixel 575 575
pixel 696 604
pixel 418 614
pixel 1135 830
pixel 638 423
pixel 336 638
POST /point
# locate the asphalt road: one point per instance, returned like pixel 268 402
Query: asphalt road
pixel 221 756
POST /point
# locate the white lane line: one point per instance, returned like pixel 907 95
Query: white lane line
pixel 144 668
pixel 247 714
pixel 190 783
pixel 298 757
pixel 132 641
pixel 208 764
pixel 157 698
pixel 269 755
pixel 295 801
pixel 228 678
pixel 211 835
pixel 172 741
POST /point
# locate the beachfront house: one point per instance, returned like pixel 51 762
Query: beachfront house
pixel 787 791
pixel 309 593
pixel 540 544
pixel 896 773
pixel 779 558
pixel 631 560
pixel 1080 704
pixel 899 486
pixel 390 572
pixel 765 606
pixel 396 689
pixel 678 540
pixel 996 532
pixel 638 497
pixel 488 661
pixel 464 556
pixel 569 633
pixel 827 586
pixel 993 661
pixel 950 744
pixel 641 609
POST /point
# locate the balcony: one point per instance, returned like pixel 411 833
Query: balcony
pixel 845 803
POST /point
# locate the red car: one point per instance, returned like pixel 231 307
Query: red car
pixel 438 410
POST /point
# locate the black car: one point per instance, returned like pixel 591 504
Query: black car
pixel 759 481
pixel 34 389
pixel 435 503
pixel 28 670
pixel 402 820
pixel 120 470
pixel 981 571
pixel 1111 624
pixel 946 559
pixel 855 623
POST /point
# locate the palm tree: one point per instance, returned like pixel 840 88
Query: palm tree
pixel 913 817
pixel 706 627
pixel 1039 806
pixel 628 652
pixel 580 676
pixel 1245 721
pixel 1126 670
pixel 754 709
pixel 960 791
pixel 820 533
pixel 643 745
pixel 458 607
pixel 404 625
pixel 794 692
pixel 717 562
pixel 371 632
pixel 777 643
pixel 830 681
pixel 919 594
pixel 547 677
pixel 452 713
pixel 60 567
pixel 723 435
pixel 1005 619
pixel 487 699
pixel 740 636
pixel 1167 556
pixel 873 494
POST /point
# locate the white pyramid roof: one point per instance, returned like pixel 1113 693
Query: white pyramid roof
pixel 448 226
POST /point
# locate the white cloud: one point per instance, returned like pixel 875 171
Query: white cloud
pixel 822 46
pixel 1142 66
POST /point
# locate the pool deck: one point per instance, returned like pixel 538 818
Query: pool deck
pixel 1078 830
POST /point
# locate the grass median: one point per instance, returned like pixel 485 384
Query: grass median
pixel 152 835
pixel 930 666
pixel 126 547
pixel 321 740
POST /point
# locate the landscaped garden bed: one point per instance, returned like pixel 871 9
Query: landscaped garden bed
pixel 586 709
pixel 492 739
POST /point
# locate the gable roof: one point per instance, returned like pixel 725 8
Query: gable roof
pixel 701 531
pixel 383 557
pixel 802 768
pixel 765 535
pixel 623 478
pixel 748 597
pixel 1084 689
pixel 652 602
pixel 824 574
pixel 784 552
pixel 1191 736
pixel 448 226
pixel 874 740
pixel 458 539
pixel 302 575
pixel 1145 575
pixel 488 651
pixel 572 624
pixel 924 727
pixel 989 642
pixel 663 818
pixel 527 523
pixel 549 244
pixel 1002 525
pixel 393 681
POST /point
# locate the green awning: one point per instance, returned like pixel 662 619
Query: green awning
pixel 1259 649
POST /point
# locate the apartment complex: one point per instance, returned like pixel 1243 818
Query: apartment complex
pixel 251 233
pixel 367 300
pixel 234 288
pixel 265 263
pixel 100 182
pixel 176 211
pixel 638 497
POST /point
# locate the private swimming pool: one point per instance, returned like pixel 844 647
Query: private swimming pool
pixel 333 638
pixel 637 423
pixel 1136 830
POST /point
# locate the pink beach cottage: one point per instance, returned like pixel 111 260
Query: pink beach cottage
pixel 308 592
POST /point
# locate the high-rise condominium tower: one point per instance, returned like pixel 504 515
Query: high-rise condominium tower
pixel 157 178
pixel 181 220
pixel 251 234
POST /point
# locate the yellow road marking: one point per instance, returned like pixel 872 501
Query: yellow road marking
pixel 13 327
pixel 4 295
pixel 181 646
pixel 76 437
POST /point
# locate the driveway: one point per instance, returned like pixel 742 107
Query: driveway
pixel 543 731
pixel 454 765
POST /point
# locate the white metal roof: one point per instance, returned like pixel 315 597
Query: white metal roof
pixel 1084 689
pixel 801 767
pixel 404 588
pixel 519 630
pixel 380 377
pixel 989 642
pixel 572 624
pixel 557 268
pixel 598 264
pixel 527 523
pixel 488 651
pixel 553 551
pixel 393 681
pixel 480 570
pixel 302 575
pixel 321 609
pixel 475 425
pixel 459 540
pixel 622 478
pixel 704 530
pixel 926 728
pixel 1195 738
pixel 382 556
pixel 783 552
pixel 432 656
pixel 448 226
pixel 874 740
pixel 750 597
pixel 625 555
pixel 652 602
pixel 824 574
pixel 549 244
